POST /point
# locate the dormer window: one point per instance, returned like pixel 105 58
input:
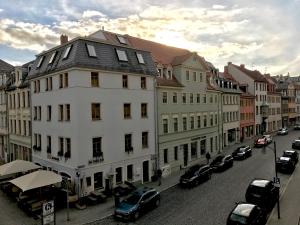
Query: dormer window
pixel 159 72
pixel 122 55
pixel 169 74
pixel 122 40
pixel 52 57
pixel 140 58
pixel 67 52
pixel 91 50
pixel 40 62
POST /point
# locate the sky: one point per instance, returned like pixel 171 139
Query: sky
pixel 263 35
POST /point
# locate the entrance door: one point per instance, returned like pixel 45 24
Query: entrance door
pixel 145 171
pixel 185 154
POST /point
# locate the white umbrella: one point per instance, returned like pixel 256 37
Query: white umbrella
pixel 16 167
pixel 36 179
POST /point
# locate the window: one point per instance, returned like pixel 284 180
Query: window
pixel 200 76
pixel 49 144
pixel 198 121
pixel 128 142
pixel 166 155
pixel 205 121
pixel 19 126
pixel 94 79
pixel 183 97
pixel 46 84
pixel 60 81
pixel 144 139
pixel 130 172
pixel 194 150
pixel 144 113
pixel 127 111
pixel 38 86
pixel 88 181
pixel 165 126
pixel 122 55
pixel 174 97
pixel 91 50
pixel 184 123
pixel 24 128
pixel 52 57
pixel 39 113
pixel 176 153
pixel 216 119
pixel 29 128
pixel 67 52
pixel 211 120
pixel 96 111
pixel 40 62
pixel 143 83
pixel 121 39
pixel 192 121
pixel 97 150
pixel 175 124
pixel 198 98
pixel 98 180
pixel 194 76
pixel 191 98
pixel 49 113
pixel 61 146
pixel 67 106
pixel 60 112
pixel 187 75
pixel 165 97
pixel 118 175
pixel 204 98
pixel 66 80
pixel 140 58
pixel 125 81
pixel 68 148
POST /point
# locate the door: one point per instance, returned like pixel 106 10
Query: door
pixel 145 171
pixel 185 154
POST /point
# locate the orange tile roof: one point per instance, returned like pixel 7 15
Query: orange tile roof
pixel 254 74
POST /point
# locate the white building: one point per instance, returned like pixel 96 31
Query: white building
pixel 93 112
pixel 5 70
pixel 19 118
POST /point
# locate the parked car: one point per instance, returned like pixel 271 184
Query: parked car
pixel 242 152
pixel 292 154
pixel 268 138
pixel 297 127
pixel 263 193
pixel 247 214
pixel 221 163
pixel 260 142
pixel 195 174
pixel 124 189
pixel 138 202
pixel 285 164
pixel 283 131
pixel 296 144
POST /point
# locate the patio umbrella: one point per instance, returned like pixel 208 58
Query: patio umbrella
pixel 37 179
pixel 17 166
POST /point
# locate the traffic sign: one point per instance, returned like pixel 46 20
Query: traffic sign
pixel 48 208
pixel 276 180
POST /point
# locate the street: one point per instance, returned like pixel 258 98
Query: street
pixel 210 202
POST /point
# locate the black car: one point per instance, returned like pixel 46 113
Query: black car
pixel 285 164
pixel 195 174
pixel 247 214
pixel 221 163
pixel 297 127
pixel 242 152
pixel 296 144
pixel 292 154
pixel 136 203
pixel 263 193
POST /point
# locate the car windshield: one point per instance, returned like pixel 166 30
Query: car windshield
pixel 287 154
pixel 256 190
pixel 238 218
pixel 218 159
pixel 132 199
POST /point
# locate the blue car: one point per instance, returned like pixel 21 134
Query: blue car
pixel 137 203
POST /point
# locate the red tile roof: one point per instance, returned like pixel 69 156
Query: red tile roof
pixel 164 82
pixel 254 74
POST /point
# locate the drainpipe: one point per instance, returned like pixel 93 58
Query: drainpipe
pixel 157 161
pixel 7 126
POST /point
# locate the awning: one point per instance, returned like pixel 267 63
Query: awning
pixel 17 166
pixel 40 178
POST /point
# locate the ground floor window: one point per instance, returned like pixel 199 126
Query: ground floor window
pixel 88 181
pixel 130 172
pixel 119 175
pixel 166 155
pixel 203 147
pixel 194 149
pixel 98 180
pixel 176 153
pixel 211 144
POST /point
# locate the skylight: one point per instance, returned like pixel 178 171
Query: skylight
pixel 122 55
pixel 52 57
pixel 91 50
pixel 40 62
pixel 67 52
pixel 122 40
pixel 140 58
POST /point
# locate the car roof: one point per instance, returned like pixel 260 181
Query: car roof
pixel 243 209
pixel 285 158
pixel 260 182
pixel 289 151
pixel 143 190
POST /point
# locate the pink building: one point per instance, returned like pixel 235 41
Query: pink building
pixel 247 113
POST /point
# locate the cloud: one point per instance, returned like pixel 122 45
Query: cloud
pixel 219 7
pixel 92 13
pixel 1 10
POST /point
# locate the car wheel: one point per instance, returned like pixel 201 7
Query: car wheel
pixel 136 215
pixel 157 202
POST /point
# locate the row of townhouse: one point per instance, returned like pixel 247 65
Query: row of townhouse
pixel 107 108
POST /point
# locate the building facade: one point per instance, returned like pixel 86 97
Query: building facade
pixel 95 113
pixel 5 70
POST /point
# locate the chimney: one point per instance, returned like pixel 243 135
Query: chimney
pixel 242 66
pixel 63 39
pixel 226 69
pixel 229 63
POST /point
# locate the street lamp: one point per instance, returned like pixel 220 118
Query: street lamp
pixel 66 184
pixel 276 178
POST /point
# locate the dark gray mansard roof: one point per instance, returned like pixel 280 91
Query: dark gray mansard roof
pixel 106 59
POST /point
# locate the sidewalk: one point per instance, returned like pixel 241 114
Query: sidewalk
pixel 289 203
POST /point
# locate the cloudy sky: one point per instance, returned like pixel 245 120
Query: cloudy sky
pixel 263 35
